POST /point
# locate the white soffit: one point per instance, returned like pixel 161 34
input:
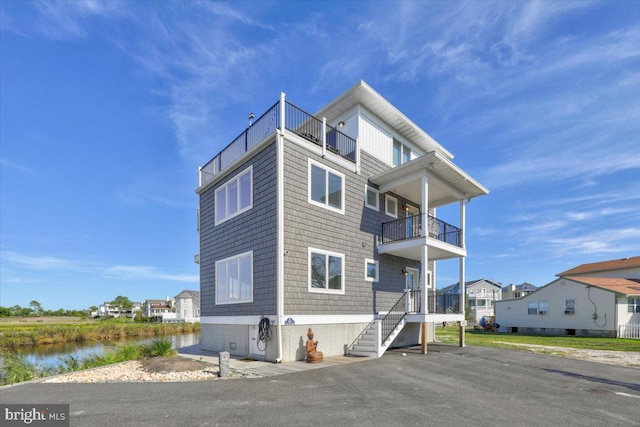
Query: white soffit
pixel 362 93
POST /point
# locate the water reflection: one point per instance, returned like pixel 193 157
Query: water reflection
pixel 50 354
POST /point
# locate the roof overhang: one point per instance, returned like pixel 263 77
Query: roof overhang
pixel 447 182
pixel 361 93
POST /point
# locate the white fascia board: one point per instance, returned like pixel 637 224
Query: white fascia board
pixel 320 319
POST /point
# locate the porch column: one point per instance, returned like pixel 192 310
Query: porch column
pixel 463 291
pixel 424 259
pixel 424 253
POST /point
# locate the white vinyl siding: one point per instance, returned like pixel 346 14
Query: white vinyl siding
pixel 235 196
pixel 234 279
pixel 326 271
pixel 326 187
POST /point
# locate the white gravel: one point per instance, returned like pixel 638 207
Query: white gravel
pixel 132 372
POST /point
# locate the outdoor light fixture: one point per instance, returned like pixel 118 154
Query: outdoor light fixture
pixel 251 117
pixel 341 124
pixel 405 272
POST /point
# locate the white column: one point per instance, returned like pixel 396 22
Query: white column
pixel 462 269
pixel 282 109
pixel 424 253
pixel 324 137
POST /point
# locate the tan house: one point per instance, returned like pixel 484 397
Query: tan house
pixel 596 299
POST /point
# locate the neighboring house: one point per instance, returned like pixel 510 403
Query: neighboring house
pixel 323 222
pixel 107 309
pixel 518 291
pixel 156 308
pixel 481 296
pixel 598 299
pixel 188 306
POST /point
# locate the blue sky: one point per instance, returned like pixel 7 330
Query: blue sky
pixel 107 109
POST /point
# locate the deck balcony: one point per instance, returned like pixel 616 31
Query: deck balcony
pixel 405 237
pixel 282 116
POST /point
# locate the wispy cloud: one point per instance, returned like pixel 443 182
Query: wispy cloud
pixel 5 163
pixel 146 272
pixel 43 263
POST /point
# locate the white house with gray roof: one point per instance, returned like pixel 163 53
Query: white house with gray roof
pixel 328 221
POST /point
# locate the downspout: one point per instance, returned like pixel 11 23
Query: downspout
pixel 280 227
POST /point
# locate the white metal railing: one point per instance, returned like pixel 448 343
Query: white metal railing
pixel 629 330
pixel 283 115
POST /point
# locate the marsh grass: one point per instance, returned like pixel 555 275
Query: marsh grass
pixel 14 368
pixel 15 335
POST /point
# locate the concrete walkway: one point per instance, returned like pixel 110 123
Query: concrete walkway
pixel 256 368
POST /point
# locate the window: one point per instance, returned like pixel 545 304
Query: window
pixel 326 187
pixel 235 196
pixel 472 303
pixel 401 153
pixel 543 307
pixel 326 271
pixel 371 198
pixel 481 303
pixel 570 306
pixel 371 271
pixel 234 279
pixel 538 307
pixel 633 305
pixel 391 206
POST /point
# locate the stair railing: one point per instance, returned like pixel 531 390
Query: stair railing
pixel 364 331
pixel 393 318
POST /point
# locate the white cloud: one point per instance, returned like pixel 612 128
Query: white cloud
pixel 30 263
pixel 5 163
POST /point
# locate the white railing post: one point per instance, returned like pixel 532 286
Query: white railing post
pixel 324 136
pixel 378 338
pixel 282 109
pixel 199 176
pixel 357 156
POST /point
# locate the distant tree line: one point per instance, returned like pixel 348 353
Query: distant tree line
pixel 36 309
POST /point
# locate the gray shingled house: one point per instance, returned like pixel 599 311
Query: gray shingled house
pixel 328 221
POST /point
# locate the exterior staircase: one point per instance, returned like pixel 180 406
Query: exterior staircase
pixel 367 343
pixel 379 334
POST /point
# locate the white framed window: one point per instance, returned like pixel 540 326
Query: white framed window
pixel 481 303
pixel 235 196
pixel 532 308
pixel 371 198
pixel 326 271
pixel 401 153
pixel 570 306
pixel 371 270
pixel 391 206
pixel 234 279
pixel 326 187
pixel 633 305
pixel 543 308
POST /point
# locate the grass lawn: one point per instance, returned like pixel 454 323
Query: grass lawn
pixel 489 339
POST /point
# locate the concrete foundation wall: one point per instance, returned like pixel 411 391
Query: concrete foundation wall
pixel 557 331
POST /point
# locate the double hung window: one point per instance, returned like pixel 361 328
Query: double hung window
pixel 371 270
pixel 372 198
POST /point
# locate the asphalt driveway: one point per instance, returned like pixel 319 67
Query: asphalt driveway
pixel 474 386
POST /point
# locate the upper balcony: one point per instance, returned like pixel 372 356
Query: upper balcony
pixel 405 237
pixel 283 115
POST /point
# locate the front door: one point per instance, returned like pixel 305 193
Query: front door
pixel 413 227
pixel 412 281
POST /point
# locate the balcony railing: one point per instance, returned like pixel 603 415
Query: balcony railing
pixel 297 121
pixel 411 226
pixel 443 303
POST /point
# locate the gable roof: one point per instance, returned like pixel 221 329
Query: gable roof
pixel 615 264
pixel 362 93
pixel 188 294
pixel 613 284
pixel 469 283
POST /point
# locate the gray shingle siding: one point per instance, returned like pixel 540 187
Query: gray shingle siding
pixel 352 234
pixel 254 230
